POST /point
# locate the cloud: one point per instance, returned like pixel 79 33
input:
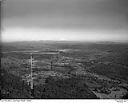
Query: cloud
pixel 85 15
pixel 68 13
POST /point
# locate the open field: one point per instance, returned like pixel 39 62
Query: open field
pixel 66 69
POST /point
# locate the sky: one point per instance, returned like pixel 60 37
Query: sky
pixel 69 20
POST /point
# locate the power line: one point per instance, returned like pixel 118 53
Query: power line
pixel 31 71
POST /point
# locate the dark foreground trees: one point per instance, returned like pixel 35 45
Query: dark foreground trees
pixel 125 96
pixel 13 87
pixel 66 88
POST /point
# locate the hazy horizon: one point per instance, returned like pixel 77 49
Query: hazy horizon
pixel 65 20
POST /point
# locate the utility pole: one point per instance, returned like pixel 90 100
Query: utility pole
pixel 51 64
pixel 31 84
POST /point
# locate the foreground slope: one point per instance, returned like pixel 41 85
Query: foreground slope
pixel 67 88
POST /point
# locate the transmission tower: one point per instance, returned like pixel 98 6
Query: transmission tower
pixel 31 75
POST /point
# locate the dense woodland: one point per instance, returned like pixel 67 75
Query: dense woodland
pixel 13 87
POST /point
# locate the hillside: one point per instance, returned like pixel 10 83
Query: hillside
pixel 13 87
pixel 67 88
